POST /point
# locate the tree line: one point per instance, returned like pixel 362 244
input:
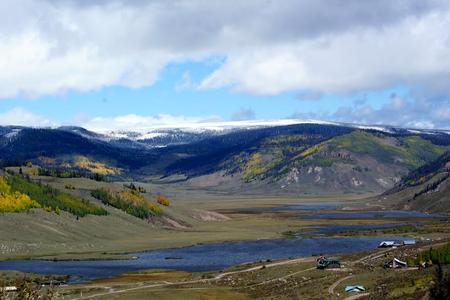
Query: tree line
pixel 69 173
pixel 432 186
pixel 129 201
pixel 52 199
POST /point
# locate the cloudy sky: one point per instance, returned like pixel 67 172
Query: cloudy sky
pixel 122 62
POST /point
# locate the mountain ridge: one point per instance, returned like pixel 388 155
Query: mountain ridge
pixel 298 158
pixel 426 188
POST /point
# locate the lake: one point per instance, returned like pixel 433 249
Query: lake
pixel 397 214
pixel 312 210
pixel 302 206
pixel 351 227
pixel 202 257
pixel 219 256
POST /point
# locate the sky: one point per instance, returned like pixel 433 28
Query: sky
pixel 127 63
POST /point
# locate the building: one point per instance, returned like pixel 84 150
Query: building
pixel 354 288
pixel 409 242
pixel 386 244
pixel 396 264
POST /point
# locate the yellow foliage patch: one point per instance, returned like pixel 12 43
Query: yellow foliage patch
pixel 310 150
pixel 163 200
pixel 154 208
pixel 253 167
pixel 95 166
pixel 14 201
pixel 133 197
pixel 138 200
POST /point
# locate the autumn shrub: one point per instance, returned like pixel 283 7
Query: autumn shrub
pixel 13 201
pixel 130 201
pixel 47 196
pixel 163 200
pixel 155 209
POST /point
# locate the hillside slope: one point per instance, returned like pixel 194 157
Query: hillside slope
pixel 296 159
pixel 426 188
pixel 313 161
pixel 56 147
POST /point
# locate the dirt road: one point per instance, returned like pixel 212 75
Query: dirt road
pixel 336 283
pixel 354 297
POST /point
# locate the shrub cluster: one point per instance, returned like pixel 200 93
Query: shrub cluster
pixel 130 201
pixel 163 200
pixel 52 198
pixel 67 173
pixel 440 255
pixel 134 187
pixel 14 201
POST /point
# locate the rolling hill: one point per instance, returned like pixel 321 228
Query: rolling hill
pixel 307 159
pixel 56 146
pixel 426 188
pixel 296 159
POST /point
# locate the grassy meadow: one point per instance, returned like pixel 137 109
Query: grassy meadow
pixel 289 279
pixel 200 216
pixel 45 234
pixel 189 219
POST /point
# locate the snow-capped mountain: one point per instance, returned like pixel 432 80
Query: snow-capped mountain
pixel 337 153
pixel 188 132
pixel 177 133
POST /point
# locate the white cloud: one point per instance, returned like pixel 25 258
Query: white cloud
pixel 21 117
pixel 415 51
pixel 57 48
pixel 49 46
pixel 269 47
pixel 419 112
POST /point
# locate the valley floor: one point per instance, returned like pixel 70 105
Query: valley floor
pixel 206 216
pixel 41 234
pixel 295 278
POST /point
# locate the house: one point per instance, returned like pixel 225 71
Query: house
pixel 409 242
pixel 396 264
pixel 386 244
pixel 354 288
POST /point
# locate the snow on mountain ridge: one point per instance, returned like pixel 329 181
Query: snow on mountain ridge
pixel 201 127
pixel 176 133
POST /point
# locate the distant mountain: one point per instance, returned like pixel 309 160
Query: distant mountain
pixel 243 157
pixel 426 188
pixel 185 133
pixel 159 138
pixel 308 158
pixel 43 145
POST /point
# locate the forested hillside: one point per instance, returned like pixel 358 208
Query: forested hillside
pixel 315 159
pixel 18 194
pixel 426 188
pixel 301 158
